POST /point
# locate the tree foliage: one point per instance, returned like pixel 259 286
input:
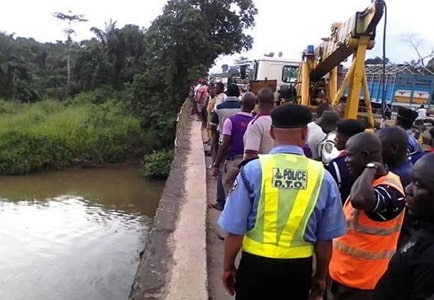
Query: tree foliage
pixel 150 70
pixel 180 46
pixel 376 61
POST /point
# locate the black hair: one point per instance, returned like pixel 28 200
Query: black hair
pixel 233 91
pixel 350 127
pixel 220 86
pixel 322 108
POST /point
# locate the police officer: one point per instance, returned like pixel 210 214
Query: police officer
pixel 283 209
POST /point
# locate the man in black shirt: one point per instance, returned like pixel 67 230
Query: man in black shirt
pixel 410 275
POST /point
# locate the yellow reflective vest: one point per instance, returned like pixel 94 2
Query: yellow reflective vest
pixel 289 192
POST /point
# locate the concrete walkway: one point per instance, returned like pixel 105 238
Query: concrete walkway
pixel 188 280
pixel 174 262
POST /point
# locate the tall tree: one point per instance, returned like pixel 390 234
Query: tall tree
pixel 181 45
pixel 69 31
pixel 416 43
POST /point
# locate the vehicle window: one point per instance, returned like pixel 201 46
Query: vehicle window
pixel 289 74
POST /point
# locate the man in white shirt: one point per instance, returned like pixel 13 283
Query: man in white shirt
pixel 315 134
pixel 421 112
pixel 257 139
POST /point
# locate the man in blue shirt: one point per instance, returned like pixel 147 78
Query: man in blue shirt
pixel 394 143
pixel 405 119
pixel 282 209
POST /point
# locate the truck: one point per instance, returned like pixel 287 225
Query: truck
pixel 316 76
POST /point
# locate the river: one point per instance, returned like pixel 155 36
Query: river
pixel 75 234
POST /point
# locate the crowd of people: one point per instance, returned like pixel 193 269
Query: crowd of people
pixel 319 207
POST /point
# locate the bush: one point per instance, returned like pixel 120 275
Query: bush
pixel 157 164
pixel 54 135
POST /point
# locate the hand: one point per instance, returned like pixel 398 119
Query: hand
pixel 228 279
pixel 215 171
pixel 380 170
pixel 317 288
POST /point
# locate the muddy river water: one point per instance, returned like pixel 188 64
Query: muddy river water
pixel 74 235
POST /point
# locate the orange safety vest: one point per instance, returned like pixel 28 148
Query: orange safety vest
pixel 362 255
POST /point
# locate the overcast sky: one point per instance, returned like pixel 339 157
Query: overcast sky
pixel 281 25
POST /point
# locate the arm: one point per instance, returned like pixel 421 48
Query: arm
pixel 323 253
pixel 389 203
pixel 233 245
pixel 331 224
pixel 362 192
pixel 235 220
pixel 223 149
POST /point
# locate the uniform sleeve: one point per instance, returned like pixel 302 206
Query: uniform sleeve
pixel 227 127
pixel 389 203
pixel 331 221
pixel 252 138
pixel 235 216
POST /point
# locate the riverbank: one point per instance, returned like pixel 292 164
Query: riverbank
pixel 52 135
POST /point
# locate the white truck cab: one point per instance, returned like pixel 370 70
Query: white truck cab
pixel 285 71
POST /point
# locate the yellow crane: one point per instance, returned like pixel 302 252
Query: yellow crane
pixel 319 66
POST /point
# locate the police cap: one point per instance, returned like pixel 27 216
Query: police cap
pixel 291 116
pixel 407 114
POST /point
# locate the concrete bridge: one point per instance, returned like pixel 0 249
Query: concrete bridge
pixel 175 264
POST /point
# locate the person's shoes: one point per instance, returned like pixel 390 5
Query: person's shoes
pixel 217 206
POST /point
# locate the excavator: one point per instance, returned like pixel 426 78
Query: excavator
pixel 318 73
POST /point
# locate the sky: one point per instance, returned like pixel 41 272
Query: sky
pixel 281 25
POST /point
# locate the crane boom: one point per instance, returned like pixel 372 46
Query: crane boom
pixel 353 37
pixel 338 46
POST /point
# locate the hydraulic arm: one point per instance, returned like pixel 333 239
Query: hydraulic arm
pixel 354 37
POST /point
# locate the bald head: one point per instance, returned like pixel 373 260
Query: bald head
pixel 394 142
pixel 361 149
pixel 248 102
pixel 365 141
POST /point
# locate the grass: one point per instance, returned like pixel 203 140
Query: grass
pixel 53 134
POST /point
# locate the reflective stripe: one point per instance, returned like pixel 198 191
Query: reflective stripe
pixel 275 250
pixel 362 254
pixel 289 191
pixel 374 230
pixel 361 257
pixel 353 223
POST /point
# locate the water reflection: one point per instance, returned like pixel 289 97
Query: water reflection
pixel 74 234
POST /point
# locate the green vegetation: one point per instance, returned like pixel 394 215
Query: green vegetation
pixel 115 93
pixel 157 164
pixel 51 134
